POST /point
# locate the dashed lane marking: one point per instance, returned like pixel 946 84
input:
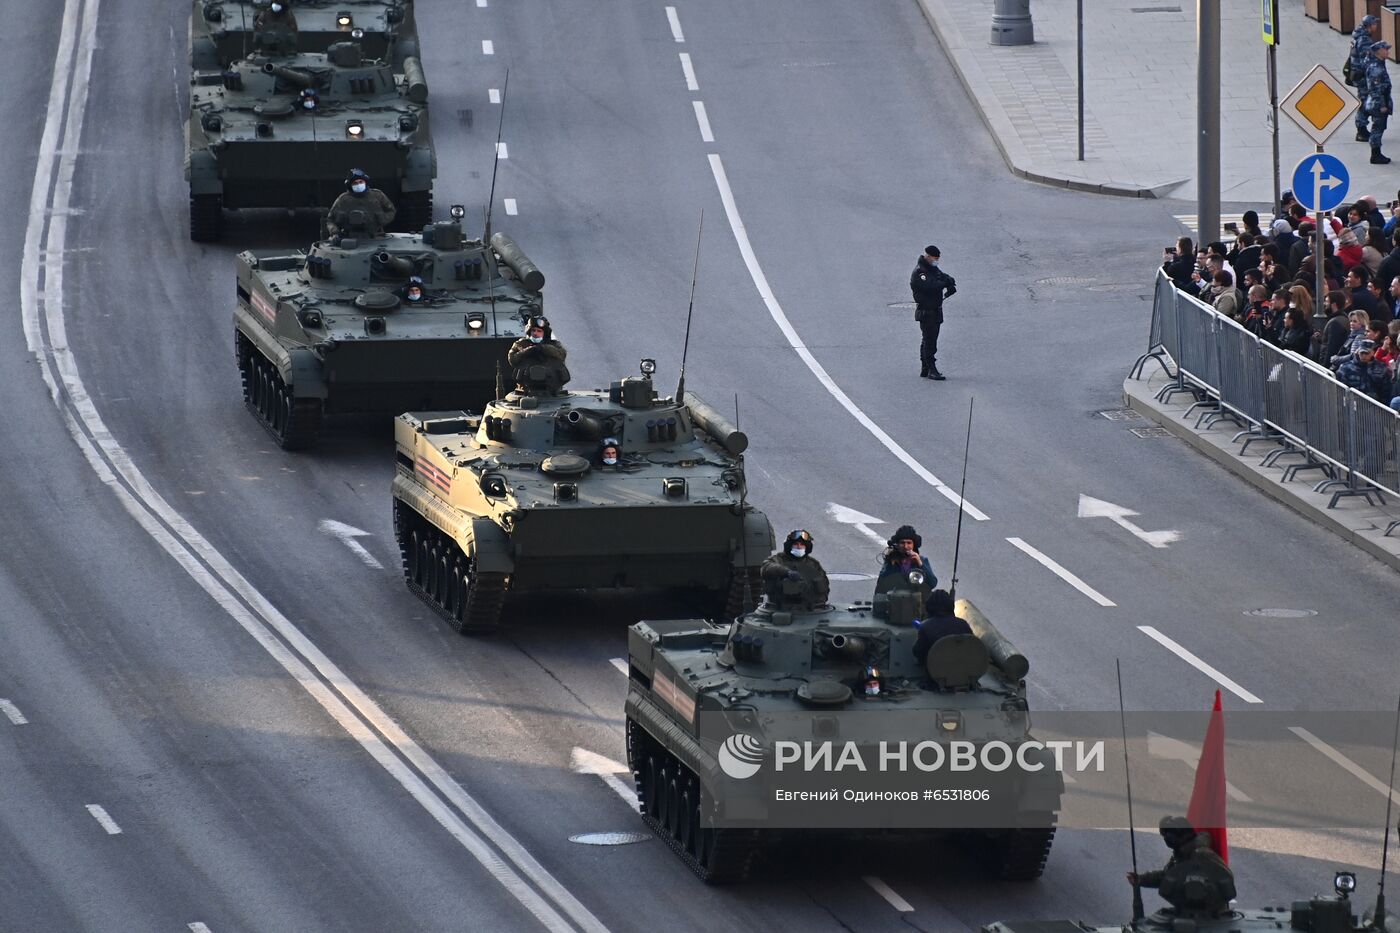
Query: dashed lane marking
pixel 12 713
pixel 1062 573
pixel 103 819
pixel 1198 664
pixel 488 47
pixel 888 893
pixel 688 69
pixel 675 22
pixel 703 119
pixel 198 927
pixel 621 666
pixel 494 95
pixel 510 207
pixel 1345 763
pixel 502 151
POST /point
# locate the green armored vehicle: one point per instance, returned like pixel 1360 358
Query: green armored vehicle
pixel 549 490
pixel 378 324
pixel 223 31
pixel 722 720
pixel 1318 914
pixel 282 132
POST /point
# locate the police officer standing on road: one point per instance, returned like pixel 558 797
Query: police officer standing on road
pixel 1378 103
pixel 378 210
pixel 930 285
pixel 1361 38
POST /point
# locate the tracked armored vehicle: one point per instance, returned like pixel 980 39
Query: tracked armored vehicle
pixel 517 499
pixel 283 132
pixel 708 707
pixel 328 330
pixel 1317 914
pixel 221 31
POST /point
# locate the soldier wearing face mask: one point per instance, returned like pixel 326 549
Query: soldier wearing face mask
pixel 610 453
pixel 374 205
pixel 795 564
pixel 413 291
pixel 538 359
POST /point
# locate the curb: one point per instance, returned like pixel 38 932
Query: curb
pixel 1140 397
pixel 999 124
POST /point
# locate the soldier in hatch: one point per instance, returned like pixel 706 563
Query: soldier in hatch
pixel 377 210
pixel 275 29
pixel 538 359
pixel 795 564
pixel 1195 881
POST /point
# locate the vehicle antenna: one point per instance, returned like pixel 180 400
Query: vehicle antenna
pixel 685 347
pixel 1385 842
pixel 743 510
pixel 962 502
pixel 1128 779
pixel 496 158
pixel 243 14
pixel 500 383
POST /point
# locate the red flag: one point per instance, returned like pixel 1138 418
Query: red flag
pixel 1207 809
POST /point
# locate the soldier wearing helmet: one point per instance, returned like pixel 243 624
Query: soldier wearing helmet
pixel 275 29
pixel 793 577
pixel 413 291
pixel 610 453
pixel 903 555
pixel 1196 881
pixel 361 209
pixel 538 359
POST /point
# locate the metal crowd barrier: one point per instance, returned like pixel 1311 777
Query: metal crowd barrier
pixel 1275 395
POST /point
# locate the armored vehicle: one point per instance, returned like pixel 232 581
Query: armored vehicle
pixel 520 498
pixel 1318 914
pixel 702 697
pixel 330 329
pixel 222 31
pixel 282 132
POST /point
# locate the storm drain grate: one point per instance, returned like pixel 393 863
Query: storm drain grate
pixel 609 839
pixel 1154 431
pixel 1120 414
pixel 1066 280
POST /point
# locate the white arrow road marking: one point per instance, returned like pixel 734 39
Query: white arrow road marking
pixel 861 521
pixel 1351 767
pixel 582 761
pixel 888 893
pixel 1198 664
pixel 347 534
pixel 1170 749
pixel 1089 507
pixel 99 813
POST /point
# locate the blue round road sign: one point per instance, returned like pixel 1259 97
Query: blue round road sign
pixel 1320 182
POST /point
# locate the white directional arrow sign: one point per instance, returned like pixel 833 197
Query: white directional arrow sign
pixel 860 520
pixel 348 534
pixel 1169 749
pixel 1089 507
pixel 582 761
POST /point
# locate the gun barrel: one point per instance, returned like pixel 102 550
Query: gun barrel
pixel 414 82
pixel 716 425
pixel 397 265
pixel 290 75
pixel 513 256
pixel 584 424
pixel 1004 654
pixel 850 645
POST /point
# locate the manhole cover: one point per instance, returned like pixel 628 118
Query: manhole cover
pixel 1065 280
pixel 1114 287
pixel 1120 414
pixel 901 305
pixel 849 576
pixel 1151 432
pixel 1281 613
pixel 609 839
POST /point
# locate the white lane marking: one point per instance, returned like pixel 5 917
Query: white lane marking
pixel 1198 664
pixel 621 666
pixel 198 927
pixel 582 761
pixel 1345 763
pixel 510 207
pixel 675 22
pixel 1170 749
pixel 502 151
pixel 688 69
pixel 347 535
pixel 1062 573
pixel 861 521
pixel 104 820
pixel 488 47
pixel 888 893
pixel 775 311
pixel 361 717
pixel 1089 507
pixel 494 95
pixel 481 3
pixel 703 119
pixel 12 713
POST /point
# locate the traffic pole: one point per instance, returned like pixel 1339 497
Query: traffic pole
pixel 1208 119
pixel 1273 108
pixel 1318 264
pixel 1079 20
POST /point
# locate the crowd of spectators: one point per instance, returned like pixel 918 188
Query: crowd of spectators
pixel 1264 280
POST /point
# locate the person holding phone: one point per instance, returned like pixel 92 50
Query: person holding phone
pixel 1178 264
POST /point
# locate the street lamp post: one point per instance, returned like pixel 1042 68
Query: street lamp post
pixel 1011 23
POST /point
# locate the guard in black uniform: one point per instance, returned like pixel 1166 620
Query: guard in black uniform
pixel 930 285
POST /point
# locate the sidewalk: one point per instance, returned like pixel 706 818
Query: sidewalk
pixel 1353 519
pixel 1140 96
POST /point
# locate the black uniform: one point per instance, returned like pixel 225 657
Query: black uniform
pixel 934 628
pixel 930 285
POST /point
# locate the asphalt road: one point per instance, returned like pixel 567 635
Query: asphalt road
pixel 287 739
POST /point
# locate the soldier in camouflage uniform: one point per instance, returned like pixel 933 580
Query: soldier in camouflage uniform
pixel 793 578
pixel 1361 38
pixel 275 29
pixel 538 359
pixel 1378 102
pixel 1196 881
pixel 359 196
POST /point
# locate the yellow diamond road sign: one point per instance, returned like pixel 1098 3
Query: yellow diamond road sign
pixel 1320 104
